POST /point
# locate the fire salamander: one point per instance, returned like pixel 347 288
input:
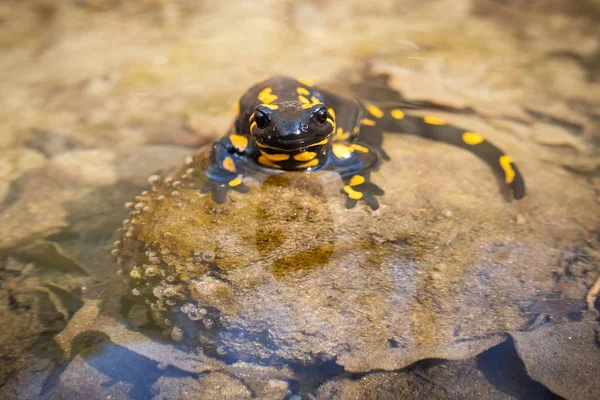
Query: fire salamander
pixel 286 124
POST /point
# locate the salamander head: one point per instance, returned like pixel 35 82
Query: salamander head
pixel 291 126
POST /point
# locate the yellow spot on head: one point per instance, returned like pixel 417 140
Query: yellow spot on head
pixel 357 180
pixel 360 148
pixel 331 112
pixel 262 160
pixel 306 82
pixel 252 126
pixel 239 142
pixel 275 157
pixel 228 164
pixel 235 182
pixel 305 156
pixel 302 91
pixel 472 138
pixel 311 163
pixel 509 172
pixel 266 97
pixel 304 100
pixel 397 114
pixel 433 120
pixel 271 106
pixel 375 111
pixel 353 194
pixel 341 151
pixel 314 100
pixel 368 122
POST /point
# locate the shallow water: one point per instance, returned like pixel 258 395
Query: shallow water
pixel 449 290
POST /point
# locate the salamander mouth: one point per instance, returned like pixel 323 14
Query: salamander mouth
pixel 292 145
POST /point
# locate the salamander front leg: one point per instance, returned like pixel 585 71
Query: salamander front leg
pixel 359 187
pixel 354 163
pixel 225 172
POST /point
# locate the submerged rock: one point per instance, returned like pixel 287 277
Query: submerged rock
pixel 285 274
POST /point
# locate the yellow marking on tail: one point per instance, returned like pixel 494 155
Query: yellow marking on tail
pixel 265 96
pixel 434 120
pixel 306 82
pixel 368 122
pixel 355 130
pixel 341 135
pixel 360 148
pixel 341 151
pixel 305 156
pixel 262 160
pixel 228 164
pixel 236 182
pixel 302 91
pixel 375 111
pixel 357 180
pixel 397 114
pixel 275 157
pixel 239 142
pixel 472 138
pixel 353 194
pixel 509 172
pixel 311 163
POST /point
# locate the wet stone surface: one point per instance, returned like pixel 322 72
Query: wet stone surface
pixel 284 274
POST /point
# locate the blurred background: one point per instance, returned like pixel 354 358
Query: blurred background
pixel 97 94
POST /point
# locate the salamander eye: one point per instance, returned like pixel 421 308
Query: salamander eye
pixel 262 120
pixel 320 116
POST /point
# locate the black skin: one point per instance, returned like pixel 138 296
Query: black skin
pixel 286 124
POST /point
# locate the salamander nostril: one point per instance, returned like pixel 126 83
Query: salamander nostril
pixel 262 120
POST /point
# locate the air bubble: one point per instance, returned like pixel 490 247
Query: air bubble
pixel 167 235
pixel 129 205
pixel 170 302
pixel 221 350
pixel 144 193
pixel 135 274
pixel 171 278
pixel 114 252
pixel 168 322
pixel 139 206
pixel 117 243
pixel 177 334
pixel 208 256
pixel 176 184
pixel 157 291
pixel 208 322
pixel 153 179
pixel 175 193
pixel 135 292
pixel 169 291
pixel 160 198
pixel 189 160
pixel 150 271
